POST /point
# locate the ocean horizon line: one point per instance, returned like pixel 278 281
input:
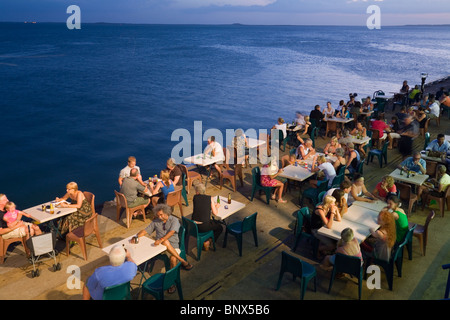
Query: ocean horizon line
pixel 226 24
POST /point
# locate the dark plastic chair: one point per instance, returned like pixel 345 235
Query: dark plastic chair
pixel 381 154
pixel 350 265
pixel 314 135
pixel 301 230
pixel 321 196
pixel 184 191
pixel 256 185
pixel 192 230
pixel 427 140
pixel 238 228
pixel 447 288
pixel 396 259
pixel 158 283
pixel 118 292
pixel 298 268
pixel 313 193
pixel 338 180
pixel 421 233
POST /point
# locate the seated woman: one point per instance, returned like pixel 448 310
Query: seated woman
pixel 323 216
pixel 347 245
pixel 340 161
pixel 302 131
pixel 359 191
pixel 165 186
pixel 441 184
pixel 360 131
pixel 384 188
pixel 204 206
pixel 367 104
pixel 281 125
pixel 341 201
pixel 381 242
pixel 421 118
pixel 240 143
pixel 13 219
pixel 328 112
pixel 79 201
pixel 332 146
pixel 400 217
pixel 268 180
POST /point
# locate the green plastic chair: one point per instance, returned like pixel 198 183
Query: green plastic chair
pixel 118 292
pixel 427 140
pixel 298 268
pixel 192 230
pixel 350 265
pixel 238 228
pixel 321 196
pixel 314 134
pixel 256 185
pixel 381 154
pixel 301 230
pixel 313 193
pixel 396 259
pixel 158 283
pixel 183 191
pixel 338 180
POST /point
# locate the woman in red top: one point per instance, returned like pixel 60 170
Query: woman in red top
pixel 384 188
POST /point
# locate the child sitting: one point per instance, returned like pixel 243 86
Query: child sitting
pixel 13 216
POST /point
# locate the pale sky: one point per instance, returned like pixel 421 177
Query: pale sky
pixel 270 12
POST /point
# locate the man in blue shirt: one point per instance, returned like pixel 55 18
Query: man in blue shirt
pixel 439 145
pixel 414 163
pixel 121 270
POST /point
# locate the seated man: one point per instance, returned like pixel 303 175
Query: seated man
pixel 130 188
pixel 316 116
pixel 214 149
pixel 414 94
pixel 434 108
pixel 401 116
pixel 352 158
pixel 381 126
pixel 414 163
pixel 439 145
pixel 121 270
pixel 166 227
pixel 445 100
pixel 17 231
pixel 393 131
pixel 125 172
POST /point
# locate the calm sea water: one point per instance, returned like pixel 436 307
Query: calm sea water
pixel 76 103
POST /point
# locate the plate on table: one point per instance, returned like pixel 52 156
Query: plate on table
pixel 428 185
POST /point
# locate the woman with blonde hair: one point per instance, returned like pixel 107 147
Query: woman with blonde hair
pixel 165 185
pixel 323 216
pixel 332 146
pixel 79 201
pixel 384 188
pixel 381 242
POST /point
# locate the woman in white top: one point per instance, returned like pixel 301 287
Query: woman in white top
pixel 281 125
pixel 328 112
pixel 359 191
pixel 304 151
